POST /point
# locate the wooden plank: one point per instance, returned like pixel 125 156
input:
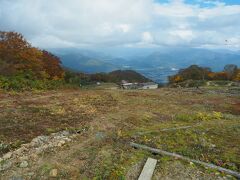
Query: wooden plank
pixel 158 151
pixel 148 169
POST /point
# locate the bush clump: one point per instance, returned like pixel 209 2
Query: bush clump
pixel 26 81
pixel 200 116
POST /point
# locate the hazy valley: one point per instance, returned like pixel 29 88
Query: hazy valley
pixel 155 64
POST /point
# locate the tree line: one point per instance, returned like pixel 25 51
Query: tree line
pixel 112 77
pixel 194 72
pixel 18 56
pixel 24 66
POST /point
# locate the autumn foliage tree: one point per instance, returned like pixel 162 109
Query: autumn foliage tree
pixel 195 72
pixel 175 79
pixel 237 76
pixel 18 56
pixel 218 76
pixel 51 65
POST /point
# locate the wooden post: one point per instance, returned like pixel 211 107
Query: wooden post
pixel 148 169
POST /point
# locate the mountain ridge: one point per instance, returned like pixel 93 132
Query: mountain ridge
pixel 156 65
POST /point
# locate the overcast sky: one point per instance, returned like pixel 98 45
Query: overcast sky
pixel 124 23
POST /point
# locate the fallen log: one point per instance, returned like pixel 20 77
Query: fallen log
pixel 212 166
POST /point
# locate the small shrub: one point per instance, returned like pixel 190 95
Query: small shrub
pixel 209 116
pixel 185 117
pixel 46 168
pixel 26 81
pixel 202 116
pixel 196 83
pixel 217 115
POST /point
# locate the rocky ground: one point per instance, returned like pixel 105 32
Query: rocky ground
pixel 85 134
pixel 28 153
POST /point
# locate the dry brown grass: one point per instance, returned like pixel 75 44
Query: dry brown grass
pixel 114 118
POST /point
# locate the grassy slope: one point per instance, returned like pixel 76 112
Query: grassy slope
pixel 114 118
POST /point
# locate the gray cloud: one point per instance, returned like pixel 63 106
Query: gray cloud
pixel 144 23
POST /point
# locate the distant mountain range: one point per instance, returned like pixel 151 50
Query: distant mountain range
pixel 156 65
pixel 181 58
pixel 79 62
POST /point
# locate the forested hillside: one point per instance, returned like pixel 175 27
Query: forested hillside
pixel 112 77
pixel 18 56
pixel 24 67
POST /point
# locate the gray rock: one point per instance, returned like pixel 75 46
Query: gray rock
pixel 7 156
pixel 100 135
pixel 39 140
pixel 3 146
pixel 65 133
pixel 23 164
pixel 30 174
